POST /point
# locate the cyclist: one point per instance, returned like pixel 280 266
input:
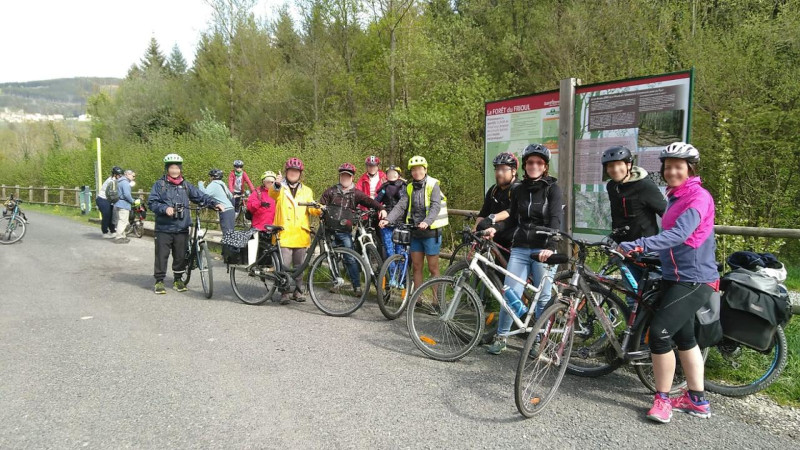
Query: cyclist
pixel 108 225
pixel 296 234
pixel 340 201
pixel 498 197
pixel 373 178
pixel 424 206
pixel 236 183
pixel 635 201
pixel 217 190
pixel 389 194
pixel 169 200
pixel 686 247
pixel 536 201
pixel 260 205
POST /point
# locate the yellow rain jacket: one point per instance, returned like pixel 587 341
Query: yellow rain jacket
pixel 292 217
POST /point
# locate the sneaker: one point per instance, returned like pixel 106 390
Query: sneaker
pixel 685 404
pixel 358 291
pixel 160 289
pixel 179 286
pixel 299 297
pixel 285 299
pixel 108 236
pixel 497 346
pixel 661 410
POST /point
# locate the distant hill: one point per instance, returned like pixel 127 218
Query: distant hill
pixel 65 96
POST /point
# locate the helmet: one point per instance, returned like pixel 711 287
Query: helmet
pixel 417 161
pixel 137 202
pixel 238 163
pixel 617 153
pixel 680 150
pixel 506 159
pixel 215 174
pixel 269 174
pixel 537 150
pixel 116 170
pixel 395 168
pixel 372 161
pixel 348 168
pixel 173 158
pixel 294 163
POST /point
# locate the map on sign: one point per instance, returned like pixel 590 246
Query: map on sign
pixel 513 124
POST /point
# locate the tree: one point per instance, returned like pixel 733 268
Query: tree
pixel 177 64
pixel 153 60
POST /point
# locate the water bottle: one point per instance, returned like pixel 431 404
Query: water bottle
pixel 514 302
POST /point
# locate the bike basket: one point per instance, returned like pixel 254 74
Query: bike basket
pixel 401 236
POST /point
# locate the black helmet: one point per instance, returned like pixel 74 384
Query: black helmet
pixel 117 170
pixel 506 159
pixel 537 150
pixel 617 153
pixel 215 174
pixel 238 163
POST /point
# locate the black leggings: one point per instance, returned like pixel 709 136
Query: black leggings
pixel 674 318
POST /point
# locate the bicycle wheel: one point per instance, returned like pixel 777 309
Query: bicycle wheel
pixel 644 367
pixel 394 285
pixel 204 266
pixel 593 355
pixel 735 370
pixel 460 253
pixel 544 360
pixel 11 230
pixel 191 264
pixel 445 321
pixel 331 286
pixel 491 307
pixel 374 262
pixel 254 285
pixel 138 229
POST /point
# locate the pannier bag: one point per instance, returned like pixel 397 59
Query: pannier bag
pixel 707 325
pixel 401 236
pixel 753 305
pixel 234 246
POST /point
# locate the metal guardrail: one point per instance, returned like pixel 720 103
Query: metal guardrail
pixel 36 193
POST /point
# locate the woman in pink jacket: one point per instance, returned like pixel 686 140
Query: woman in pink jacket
pixel 260 204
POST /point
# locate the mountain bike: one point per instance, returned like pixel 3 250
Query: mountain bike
pixel 198 256
pixel 12 228
pixel 364 243
pixel 256 283
pixel 240 207
pixel 395 280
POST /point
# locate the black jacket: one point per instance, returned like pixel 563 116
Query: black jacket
pixel 498 200
pixel 389 193
pixel 165 194
pixel 635 204
pixel 533 204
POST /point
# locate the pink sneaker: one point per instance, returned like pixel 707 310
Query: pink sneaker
pixel 685 404
pixel 661 410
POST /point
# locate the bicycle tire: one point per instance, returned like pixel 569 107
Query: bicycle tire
pixel 191 264
pixel 750 357
pixel 327 293
pixel 10 234
pixel 206 274
pixel 392 301
pixel 491 307
pixel 531 400
pixel 254 285
pixel 374 262
pixel 138 229
pixel 430 331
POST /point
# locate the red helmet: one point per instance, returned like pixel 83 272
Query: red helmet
pixel 347 167
pixel 294 163
pixel 373 161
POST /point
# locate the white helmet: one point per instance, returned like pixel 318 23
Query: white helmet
pixel 680 150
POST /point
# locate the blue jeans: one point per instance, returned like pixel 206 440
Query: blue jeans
pixel 107 213
pixel 521 265
pixel 345 239
pixel 391 247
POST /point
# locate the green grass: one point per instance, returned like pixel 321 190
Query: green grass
pixel 793 278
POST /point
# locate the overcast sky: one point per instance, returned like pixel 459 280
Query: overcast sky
pixel 45 39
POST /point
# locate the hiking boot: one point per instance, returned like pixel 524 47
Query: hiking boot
pixel 497 346
pixel 285 299
pixel 160 289
pixel 685 404
pixel 179 286
pixel 661 410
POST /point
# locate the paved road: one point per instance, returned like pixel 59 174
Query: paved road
pixel 90 357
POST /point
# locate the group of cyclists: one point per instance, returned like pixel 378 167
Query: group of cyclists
pixel 513 209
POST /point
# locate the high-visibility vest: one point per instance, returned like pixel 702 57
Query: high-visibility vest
pixel 441 219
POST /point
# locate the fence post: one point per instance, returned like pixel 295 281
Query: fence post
pixel 46 195
pixel 4 191
pixel 16 191
pixel 30 194
pixel 77 196
pixel 61 195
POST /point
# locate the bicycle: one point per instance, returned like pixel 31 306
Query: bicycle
pixel 395 281
pixel 136 220
pixel 448 322
pixel 13 227
pixel 256 283
pixel 551 346
pixel 365 243
pixel 464 249
pixel 198 256
pixel 240 206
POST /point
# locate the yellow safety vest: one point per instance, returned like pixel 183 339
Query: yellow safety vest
pixel 441 219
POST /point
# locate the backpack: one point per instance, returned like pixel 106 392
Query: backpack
pixel 112 194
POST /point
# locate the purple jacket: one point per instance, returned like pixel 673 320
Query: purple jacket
pixel 686 245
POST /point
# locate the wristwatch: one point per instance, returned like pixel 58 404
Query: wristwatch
pixel 491 217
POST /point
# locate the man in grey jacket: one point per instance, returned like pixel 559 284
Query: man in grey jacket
pixel 122 208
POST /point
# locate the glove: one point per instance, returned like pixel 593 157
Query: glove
pixel 265 204
pixel 484 224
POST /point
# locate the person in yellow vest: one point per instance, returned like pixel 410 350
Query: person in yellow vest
pixel 424 206
pixel 288 192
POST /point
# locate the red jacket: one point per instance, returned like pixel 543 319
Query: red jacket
pixel 262 215
pixel 245 181
pixel 363 183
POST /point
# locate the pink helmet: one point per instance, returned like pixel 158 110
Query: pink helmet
pixel 294 163
pixel 373 161
pixel 347 167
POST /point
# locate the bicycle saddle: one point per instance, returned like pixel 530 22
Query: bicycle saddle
pixel 272 228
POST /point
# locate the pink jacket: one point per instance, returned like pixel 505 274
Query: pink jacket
pixel 245 181
pixel 262 215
